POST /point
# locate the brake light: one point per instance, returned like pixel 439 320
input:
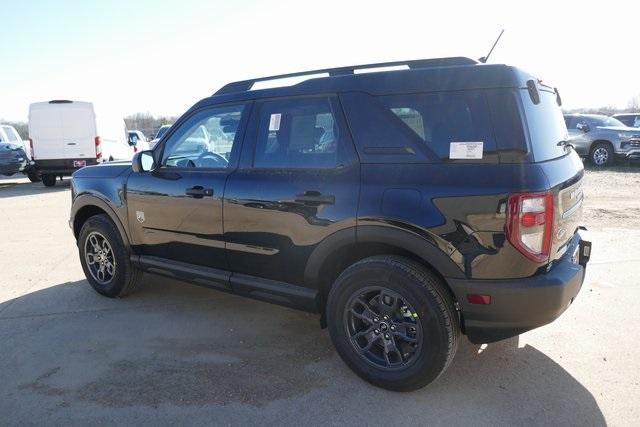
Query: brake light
pixel 530 224
pixel 98 148
pixel 31 148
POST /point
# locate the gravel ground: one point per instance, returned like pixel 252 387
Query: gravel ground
pixel 175 353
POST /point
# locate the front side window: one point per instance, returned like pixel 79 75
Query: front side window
pixel 575 123
pixel 301 133
pixel 205 140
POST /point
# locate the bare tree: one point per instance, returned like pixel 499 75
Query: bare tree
pixel 634 103
pixel 147 123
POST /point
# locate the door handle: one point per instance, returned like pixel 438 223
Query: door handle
pixel 198 192
pixel 313 197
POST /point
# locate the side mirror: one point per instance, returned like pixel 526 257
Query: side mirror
pixel 133 140
pixel 143 162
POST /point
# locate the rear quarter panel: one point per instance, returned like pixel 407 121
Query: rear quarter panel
pixel 460 208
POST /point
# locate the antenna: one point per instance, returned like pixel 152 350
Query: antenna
pixel 485 58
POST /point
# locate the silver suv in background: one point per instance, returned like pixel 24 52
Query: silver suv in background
pixel 602 139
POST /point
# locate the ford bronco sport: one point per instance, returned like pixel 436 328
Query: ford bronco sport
pixel 405 207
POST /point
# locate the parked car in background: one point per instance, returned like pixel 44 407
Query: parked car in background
pixel 15 154
pixel 68 135
pixel 405 207
pixel 163 129
pixel 138 141
pixel 602 139
pixel 629 119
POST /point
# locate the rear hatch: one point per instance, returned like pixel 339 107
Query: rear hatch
pixel 62 130
pixel 562 167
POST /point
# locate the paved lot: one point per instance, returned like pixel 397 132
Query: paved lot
pixel 177 353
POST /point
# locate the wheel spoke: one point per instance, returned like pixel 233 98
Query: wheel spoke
pixel 91 259
pixel 94 242
pixel 100 273
pixel 371 340
pixel 368 315
pixel 389 349
pixel 404 337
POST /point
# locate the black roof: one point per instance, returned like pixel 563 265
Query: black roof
pixel 424 75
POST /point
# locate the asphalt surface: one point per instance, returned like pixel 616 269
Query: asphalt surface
pixel 176 353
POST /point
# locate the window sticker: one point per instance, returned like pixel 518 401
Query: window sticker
pixel 274 122
pixel 465 150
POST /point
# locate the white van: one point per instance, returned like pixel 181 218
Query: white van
pixel 67 135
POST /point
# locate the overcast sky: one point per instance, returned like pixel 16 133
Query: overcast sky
pixel 162 56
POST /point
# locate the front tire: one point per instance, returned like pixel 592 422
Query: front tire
pixel 105 258
pixel 393 322
pixel 49 180
pixel 601 155
pixel 34 176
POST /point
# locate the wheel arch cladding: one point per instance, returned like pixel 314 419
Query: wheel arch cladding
pixel 86 206
pixel 595 143
pixel 341 250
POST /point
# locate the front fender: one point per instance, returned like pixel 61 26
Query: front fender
pixel 87 199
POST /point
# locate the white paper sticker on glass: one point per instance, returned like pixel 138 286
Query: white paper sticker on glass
pixel 465 150
pixel 274 122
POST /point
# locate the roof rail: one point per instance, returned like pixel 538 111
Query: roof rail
pixel 245 85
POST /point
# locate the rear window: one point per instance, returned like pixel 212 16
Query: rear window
pixel 444 118
pixel 546 125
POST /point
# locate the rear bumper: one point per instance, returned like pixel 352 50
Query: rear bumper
pixel 519 305
pixel 61 166
pixel 12 167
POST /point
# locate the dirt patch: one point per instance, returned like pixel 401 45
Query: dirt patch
pixel 612 197
pixel 249 366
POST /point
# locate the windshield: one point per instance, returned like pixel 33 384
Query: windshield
pixel 603 121
pixel 163 129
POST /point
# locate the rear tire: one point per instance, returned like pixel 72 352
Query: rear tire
pixel 101 248
pixel 417 307
pixel 48 180
pixel 601 155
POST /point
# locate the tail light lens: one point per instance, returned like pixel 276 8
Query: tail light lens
pixel 98 148
pixel 530 224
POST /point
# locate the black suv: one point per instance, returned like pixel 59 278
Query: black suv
pixel 405 207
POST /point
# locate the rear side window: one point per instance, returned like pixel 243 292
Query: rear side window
pixel 444 118
pixel 300 133
pixel 627 120
pixel 546 125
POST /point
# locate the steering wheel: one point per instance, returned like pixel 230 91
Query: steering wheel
pixel 218 160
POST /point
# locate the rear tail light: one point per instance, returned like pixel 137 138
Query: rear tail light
pixel 31 148
pixel 98 148
pixel 135 149
pixel 530 224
